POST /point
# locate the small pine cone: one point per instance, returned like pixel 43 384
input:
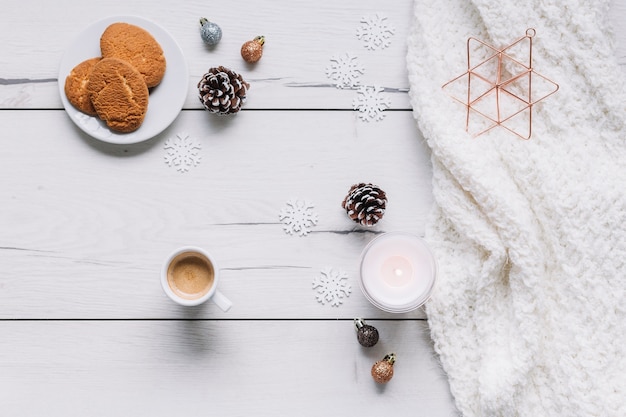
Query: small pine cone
pixel 365 204
pixel 222 91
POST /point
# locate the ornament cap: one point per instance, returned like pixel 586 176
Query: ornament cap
pixel 391 358
pixel 203 20
pixel 260 39
pixel 359 323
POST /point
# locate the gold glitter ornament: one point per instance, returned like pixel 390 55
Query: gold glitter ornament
pixel 382 371
pixel 252 51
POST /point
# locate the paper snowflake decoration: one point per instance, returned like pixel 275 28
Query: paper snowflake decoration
pixel 345 70
pixel 375 32
pixel 370 102
pixel 182 152
pixel 331 286
pixel 298 217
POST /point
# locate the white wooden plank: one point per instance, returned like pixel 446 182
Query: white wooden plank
pixel 617 17
pixel 239 368
pixel 85 225
pixel 301 38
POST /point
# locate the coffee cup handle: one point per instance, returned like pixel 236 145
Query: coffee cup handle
pixel 222 302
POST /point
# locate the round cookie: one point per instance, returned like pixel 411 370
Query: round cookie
pixel 76 86
pixel 119 94
pixel 137 46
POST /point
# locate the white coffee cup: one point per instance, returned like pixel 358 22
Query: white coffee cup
pixel 190 277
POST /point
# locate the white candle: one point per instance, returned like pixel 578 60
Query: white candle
pixel 398 272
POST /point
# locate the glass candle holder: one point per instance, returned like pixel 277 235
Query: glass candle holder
pixel 398 272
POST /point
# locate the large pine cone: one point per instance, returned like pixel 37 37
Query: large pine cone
pixel 222 90
pixel 365 204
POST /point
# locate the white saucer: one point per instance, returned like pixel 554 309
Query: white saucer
pixel 166 100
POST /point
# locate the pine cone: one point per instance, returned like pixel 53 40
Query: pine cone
pixel 222 91
pixel 365 204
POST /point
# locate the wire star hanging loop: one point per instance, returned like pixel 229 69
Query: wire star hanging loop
pixel 499 88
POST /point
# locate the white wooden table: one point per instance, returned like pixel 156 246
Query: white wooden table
pixel 85 328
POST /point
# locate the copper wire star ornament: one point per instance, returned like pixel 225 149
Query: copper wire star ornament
pixel 499 88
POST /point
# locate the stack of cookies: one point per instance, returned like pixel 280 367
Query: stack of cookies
pixel 115 87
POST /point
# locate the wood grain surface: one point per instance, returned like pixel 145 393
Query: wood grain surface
pixel 85 328
pixel 83 219
pixel 188 368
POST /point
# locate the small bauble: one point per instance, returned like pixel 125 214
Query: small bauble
pixel 222 90
pixel 382 371
pixel 252 51
pixel 210 32
pixel 365 204
pixel 366 335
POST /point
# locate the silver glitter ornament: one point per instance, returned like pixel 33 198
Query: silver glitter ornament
pixel 367 335
pixel 210 32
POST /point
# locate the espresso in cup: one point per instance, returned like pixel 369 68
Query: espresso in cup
pixel 190 275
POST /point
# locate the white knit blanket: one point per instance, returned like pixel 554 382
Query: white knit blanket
pixel 529 315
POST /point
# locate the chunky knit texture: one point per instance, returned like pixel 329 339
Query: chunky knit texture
pixel 529 314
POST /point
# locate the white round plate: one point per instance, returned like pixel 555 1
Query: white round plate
pixel 165 101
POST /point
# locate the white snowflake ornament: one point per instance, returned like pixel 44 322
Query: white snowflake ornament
pixel 331 286
pixel 298 217
pixel 345 70
pixel 182 152
pixel 375 32
pixel 370 102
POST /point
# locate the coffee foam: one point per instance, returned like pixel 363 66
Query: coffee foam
pixel 190 275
